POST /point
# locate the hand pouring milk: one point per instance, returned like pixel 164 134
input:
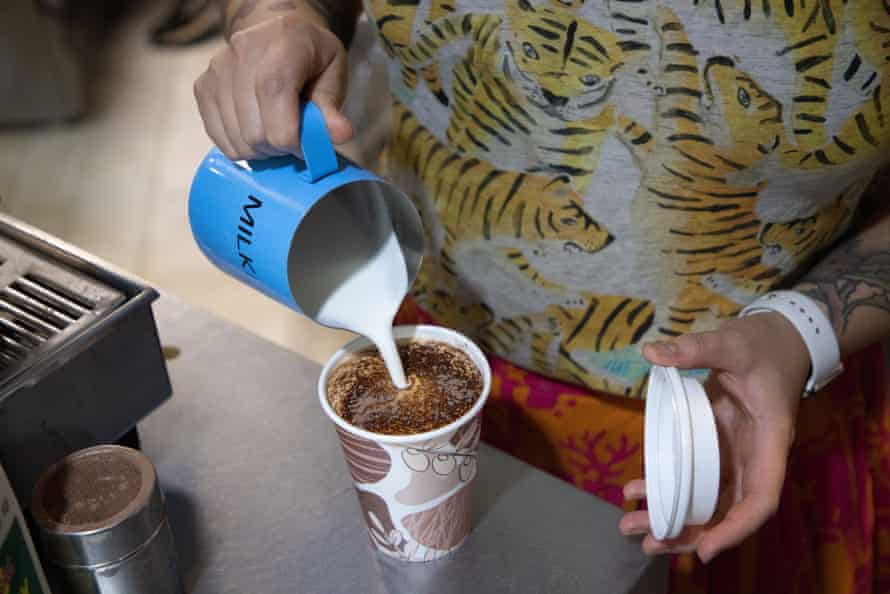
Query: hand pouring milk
pixel 320 235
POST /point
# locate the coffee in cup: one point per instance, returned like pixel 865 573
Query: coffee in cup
pixel 444 383
pixel 412 453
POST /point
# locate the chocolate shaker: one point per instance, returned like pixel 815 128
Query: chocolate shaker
pixel 104 526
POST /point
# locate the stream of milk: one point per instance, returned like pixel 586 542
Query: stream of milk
pixel 368 300
pixel 348 271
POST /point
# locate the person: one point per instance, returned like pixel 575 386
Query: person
pixel 605 186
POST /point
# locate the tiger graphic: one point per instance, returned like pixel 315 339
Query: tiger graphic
pixel 449 305
pixel 866 132
pixel 473 200
pixel 710 233
pixel 395 22
pixel 822 61
pixel 589 323
pixel 553 74
pixel 785 244
pixel 530 92
pixel 811 35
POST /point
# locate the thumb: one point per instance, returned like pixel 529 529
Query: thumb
pixel 328 92
pixel 713 350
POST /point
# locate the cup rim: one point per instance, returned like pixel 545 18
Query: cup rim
pixel 421 331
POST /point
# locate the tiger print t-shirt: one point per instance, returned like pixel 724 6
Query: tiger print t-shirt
pixel 599 173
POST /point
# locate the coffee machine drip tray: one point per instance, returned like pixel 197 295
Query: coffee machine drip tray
pixel 80 359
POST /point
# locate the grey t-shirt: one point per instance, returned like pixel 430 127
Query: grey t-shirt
pixel 596 174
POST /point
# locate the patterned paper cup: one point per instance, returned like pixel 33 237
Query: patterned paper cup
pixel 415 491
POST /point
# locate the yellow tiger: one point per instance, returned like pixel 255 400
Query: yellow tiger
pixel 785 243
pixel 784 246
pixel 866 132
pixel 709 232
pixel 506 335
pixel 553 74
pixel 439 291
pixel 395 22
pixel 591 323
pixel 397 19
pixel 518 259
pixel 449 308
pixel 812 34
pixel 601 323
pixel 473 200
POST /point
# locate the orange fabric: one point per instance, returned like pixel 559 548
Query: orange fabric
pixel 832 532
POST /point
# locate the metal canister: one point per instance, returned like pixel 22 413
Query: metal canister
pixel 103 524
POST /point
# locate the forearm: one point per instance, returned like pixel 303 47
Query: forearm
pixel 337 15
pixel 853 283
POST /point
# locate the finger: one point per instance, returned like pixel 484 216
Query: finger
pixel 635 490
pixel 247 112
pixel 740 522
pixel 327 91
pixel 277 91
pixel 653 547
pixel 661 547
pixel 209 110
pixel 719 349
pixel 764 473
pixel 635 522
pixel 225 100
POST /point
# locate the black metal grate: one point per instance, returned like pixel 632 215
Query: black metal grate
pixel 33 310
pixel 46 302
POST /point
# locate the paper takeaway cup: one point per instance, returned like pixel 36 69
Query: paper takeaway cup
pixel 415 491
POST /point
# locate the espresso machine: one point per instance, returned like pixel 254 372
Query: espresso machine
pixel 80 359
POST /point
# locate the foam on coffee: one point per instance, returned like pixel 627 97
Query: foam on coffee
pixel 444 383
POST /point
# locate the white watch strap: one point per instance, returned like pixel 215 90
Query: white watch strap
pixel 815 329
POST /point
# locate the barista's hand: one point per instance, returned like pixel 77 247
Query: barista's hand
pixel 250 94
pixel 759 368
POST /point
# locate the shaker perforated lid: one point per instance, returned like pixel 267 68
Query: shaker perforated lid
pixel 681 453
pixel 97 506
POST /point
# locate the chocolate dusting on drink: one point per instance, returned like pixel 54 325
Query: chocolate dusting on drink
pixel 444 383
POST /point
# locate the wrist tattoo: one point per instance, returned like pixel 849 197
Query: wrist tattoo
pixel 854 276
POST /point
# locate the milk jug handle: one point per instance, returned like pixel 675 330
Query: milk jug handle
pixel 318 151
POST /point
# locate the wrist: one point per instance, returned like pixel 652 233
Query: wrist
pixel 242 15
pixel 813 327
pixel 792 349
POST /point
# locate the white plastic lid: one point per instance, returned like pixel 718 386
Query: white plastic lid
pixel 681 453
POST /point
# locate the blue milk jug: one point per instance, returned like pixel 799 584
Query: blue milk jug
pixel 294 228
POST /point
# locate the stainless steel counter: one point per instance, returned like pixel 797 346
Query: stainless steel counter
pixel 261 502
